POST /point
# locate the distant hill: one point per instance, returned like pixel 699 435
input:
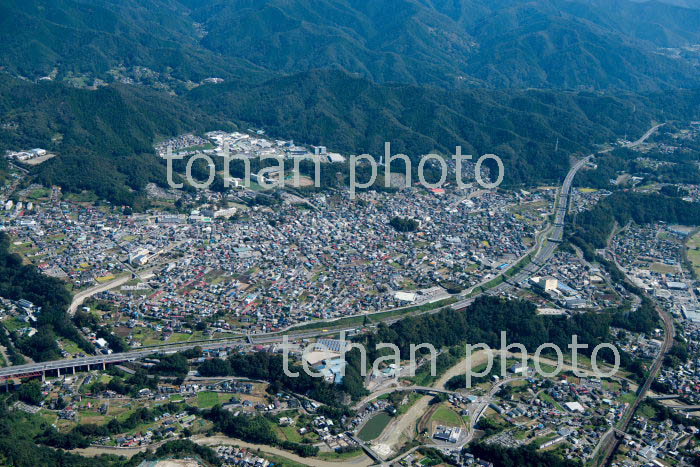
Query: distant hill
pixel 596 44
pixel 503 43
pixel 681 3
pixel 354 115
pixel 385 40
pixel 601 44
pixel 78 37
pixel 104 137
pixel 504 76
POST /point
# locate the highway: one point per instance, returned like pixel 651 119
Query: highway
pixel 556 235
pixel 685 408
pixel 101 360
pixel 542 255
pixel 551 242
pixel 645 136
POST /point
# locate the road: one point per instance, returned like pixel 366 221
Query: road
pixel 608 443
pixel 549 246
pixel 556 234
pixel 543 254
pixel 80 297
pixel 483 404
pixel 389 390
pixel 477 412
pixel 404 427
pixel 97 360
pixel 645 136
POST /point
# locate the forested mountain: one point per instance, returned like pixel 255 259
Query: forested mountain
pixel 385 40
pixel 352 114
pixel 350 74
pixel 684 3
pixel 18 280
pixel 603 44
pixel 104 138
pixel 593 227
pixel 76 37
pixel 567 44
pixel 503 43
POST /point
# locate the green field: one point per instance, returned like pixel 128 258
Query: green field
pixel 14 324
pixel 374 426
pixel 628 397
pixel 207 399
pixel 289 433
pixel 662 268
pixel 694 252
pixel 411 400
pixel 446 416
pixel 83 197
pixel 38 193
pixel 547 398
pixel 340 456
pixel 540 441
pixel 646 411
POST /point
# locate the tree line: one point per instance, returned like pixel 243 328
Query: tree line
pixel 25 281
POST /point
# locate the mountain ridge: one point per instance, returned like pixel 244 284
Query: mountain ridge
pixel 561 44
pixel 508 76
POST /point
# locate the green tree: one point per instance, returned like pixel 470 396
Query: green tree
pixel 30 392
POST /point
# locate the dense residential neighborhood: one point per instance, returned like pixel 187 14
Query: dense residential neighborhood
pixel 406 233
pixel 240 266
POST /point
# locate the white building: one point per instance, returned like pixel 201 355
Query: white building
pixel 545 283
